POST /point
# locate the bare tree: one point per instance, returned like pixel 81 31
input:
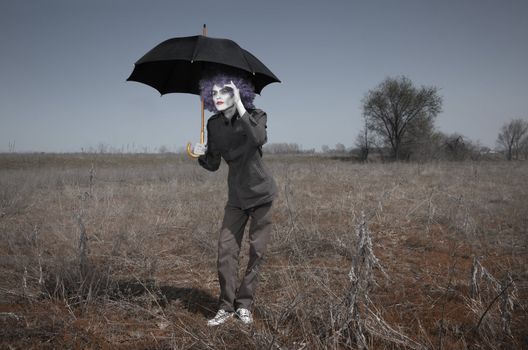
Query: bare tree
pixel 417 141
pixel 458 147
pixel 12 146
pixel 524 147
pixel 340 148
pixel 364 142
pixel 511 137
pixel 395 107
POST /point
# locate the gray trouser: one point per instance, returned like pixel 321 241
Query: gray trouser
pixel 229 243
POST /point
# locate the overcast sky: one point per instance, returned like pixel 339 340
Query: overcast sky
pixel 64 65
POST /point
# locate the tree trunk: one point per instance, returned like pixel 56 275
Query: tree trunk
pixel 396 148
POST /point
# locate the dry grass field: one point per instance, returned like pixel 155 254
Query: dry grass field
pixel 119 252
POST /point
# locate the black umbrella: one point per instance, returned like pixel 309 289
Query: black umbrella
pixel 178 64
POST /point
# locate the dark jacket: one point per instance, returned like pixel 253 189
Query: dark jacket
pixel 239 142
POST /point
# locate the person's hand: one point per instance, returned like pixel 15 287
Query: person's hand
pixel 236 92
pixel 199 149
pixel 236 99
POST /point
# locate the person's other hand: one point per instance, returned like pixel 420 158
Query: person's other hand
pixel 199 149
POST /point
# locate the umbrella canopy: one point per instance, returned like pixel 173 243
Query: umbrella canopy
pixel 178 64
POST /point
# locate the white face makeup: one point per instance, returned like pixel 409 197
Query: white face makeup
pixel 222 97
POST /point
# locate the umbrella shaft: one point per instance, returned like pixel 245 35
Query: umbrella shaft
pixel 204 32
pixel 202 129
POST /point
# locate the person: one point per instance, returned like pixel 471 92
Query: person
pixel 236 133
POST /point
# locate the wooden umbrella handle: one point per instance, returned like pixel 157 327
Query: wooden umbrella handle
pixel 190 153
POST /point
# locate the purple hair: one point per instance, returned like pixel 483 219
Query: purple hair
pixel 247 91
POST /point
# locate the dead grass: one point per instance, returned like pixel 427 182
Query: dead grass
pixel 145 278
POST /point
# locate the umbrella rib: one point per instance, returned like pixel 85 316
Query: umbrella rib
pixel 195 51
pixel 247 62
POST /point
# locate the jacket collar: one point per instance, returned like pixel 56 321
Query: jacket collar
pixel 233 118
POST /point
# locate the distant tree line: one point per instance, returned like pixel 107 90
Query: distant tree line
pixel 338 149
pixel 399 124
pixel 285 148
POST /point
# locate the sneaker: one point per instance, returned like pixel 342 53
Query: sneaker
pixel 244 315
pixel 220 317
